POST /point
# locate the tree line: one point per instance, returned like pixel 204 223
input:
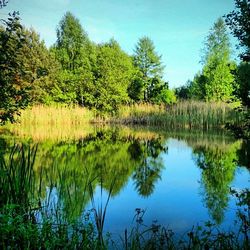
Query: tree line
pixel 75 70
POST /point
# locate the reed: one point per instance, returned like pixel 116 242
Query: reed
pixel 54 115
pixel 184 114
pixel 17 175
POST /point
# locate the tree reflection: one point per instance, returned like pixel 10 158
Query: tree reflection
pixel 149 167
pixel 243 154
pixel 218 168
pixel 63 171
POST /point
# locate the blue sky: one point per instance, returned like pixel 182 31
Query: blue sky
pixel 177 27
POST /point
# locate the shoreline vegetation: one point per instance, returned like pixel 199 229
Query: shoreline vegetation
pixel 184 114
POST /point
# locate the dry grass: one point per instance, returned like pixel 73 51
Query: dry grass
pixel 186 114
pixel 53 115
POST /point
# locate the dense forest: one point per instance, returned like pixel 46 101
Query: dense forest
pixel 75 70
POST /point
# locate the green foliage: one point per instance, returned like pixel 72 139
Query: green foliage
pixel 13 90
pixel 75 53
pixel 241 130
pixel 113 74
pixel 216 82
pixel 243 79
pixel 159 92
pixel 218 169
pixel 40 66
pixel 149 77
pixel 239 22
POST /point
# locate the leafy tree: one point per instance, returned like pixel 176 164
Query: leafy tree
pixel 160 92
pixel 216 81
pixel 243 78
pixel 182 92
pixel 74 51
pixel 113 74
pixel 239 22
pixel 13 91
pixel 40 66
pixel 149 66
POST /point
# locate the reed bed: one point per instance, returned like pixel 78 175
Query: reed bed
pixel 52 115
pixel 184 114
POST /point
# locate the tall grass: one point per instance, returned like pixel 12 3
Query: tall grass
pixel 53 115
pixel 17 176
pixel 184 114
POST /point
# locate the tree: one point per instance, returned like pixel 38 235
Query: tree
pixel 216 81
pixel 113 74
pixel 149 67
pixel 243 78
pixel 13 91
pixel 40 66
pixel 239 22
pixel 74 51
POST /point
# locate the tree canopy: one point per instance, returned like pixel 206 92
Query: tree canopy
pixel 216 81
pixel 14 89
pixel 239 22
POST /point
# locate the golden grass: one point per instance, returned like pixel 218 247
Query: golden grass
pixel 185 114
pixel 53 115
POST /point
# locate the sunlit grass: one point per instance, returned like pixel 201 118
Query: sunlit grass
pixel 185 114
pixel 53 115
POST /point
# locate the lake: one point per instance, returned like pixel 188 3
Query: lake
pixel 177 179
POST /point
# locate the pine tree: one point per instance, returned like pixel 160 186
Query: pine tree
pixel 149 67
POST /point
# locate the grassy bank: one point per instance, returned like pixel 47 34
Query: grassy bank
pixel 187 114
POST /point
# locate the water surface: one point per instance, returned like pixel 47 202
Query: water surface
pixel 179 178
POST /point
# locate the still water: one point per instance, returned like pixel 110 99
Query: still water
pixel 179 179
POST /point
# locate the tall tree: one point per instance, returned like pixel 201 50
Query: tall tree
pixel 40 66
pixel 216 82
pixel 239 22
pixel 13 92
pixel 113 74
pixel 73 49
pixel 149 65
